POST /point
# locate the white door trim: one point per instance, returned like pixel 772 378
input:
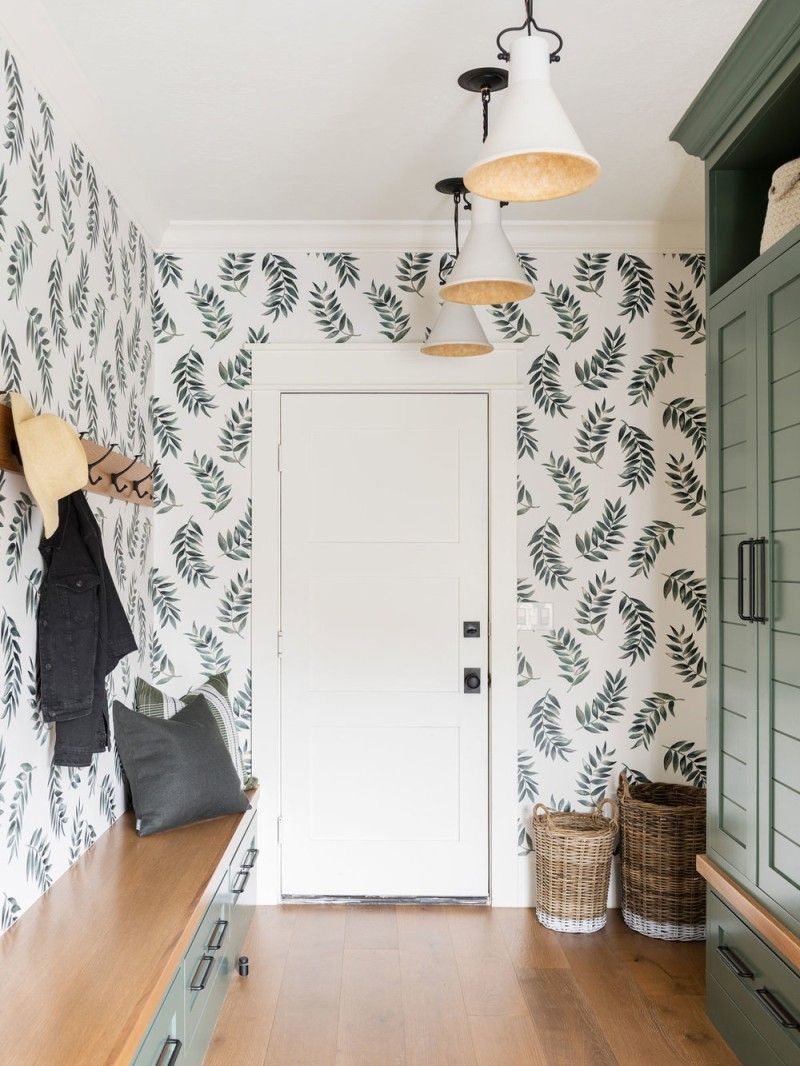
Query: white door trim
pixel 286 368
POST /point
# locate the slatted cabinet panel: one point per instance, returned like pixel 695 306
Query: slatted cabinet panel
pixel 732 643
pixel 779 638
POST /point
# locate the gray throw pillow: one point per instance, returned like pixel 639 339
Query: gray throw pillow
pixel 179 769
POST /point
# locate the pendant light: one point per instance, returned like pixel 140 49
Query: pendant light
pixel 487 271
pixel 532 152
pixel 457 331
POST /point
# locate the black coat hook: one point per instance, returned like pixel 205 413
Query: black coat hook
pixel 118 474
pixel 140 480
pixel 97 480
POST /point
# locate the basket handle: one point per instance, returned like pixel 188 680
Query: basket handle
pixel 612 803
pixel 624 784
pixel 539 808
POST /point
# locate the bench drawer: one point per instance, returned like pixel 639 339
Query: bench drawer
pixel 242 871
pixel 243 892
pixel 763 987
pixel 203 960
pixel 164 1043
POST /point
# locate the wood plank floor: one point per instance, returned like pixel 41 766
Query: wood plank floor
pixel 460 986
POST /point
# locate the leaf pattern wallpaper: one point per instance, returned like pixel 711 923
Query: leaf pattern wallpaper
pixel 75 338
pixel 149 350
pixel 610 505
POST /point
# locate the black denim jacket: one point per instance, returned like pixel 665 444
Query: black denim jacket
pixel 83 634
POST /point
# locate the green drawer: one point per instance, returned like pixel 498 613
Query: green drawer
pixel 763 988
pixel 242 870
pixel 202 962
pixel 242 891
pixel 740 1034
pixel 164 1043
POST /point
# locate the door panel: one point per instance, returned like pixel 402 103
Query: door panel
pixel 732 517
pixel 384 557
pixel 779 638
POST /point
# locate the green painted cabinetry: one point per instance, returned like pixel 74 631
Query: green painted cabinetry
pixel 744 124
pixel 182 1029
pixel 778 297
pixel 732 475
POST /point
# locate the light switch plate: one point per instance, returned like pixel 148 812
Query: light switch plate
pixel 535 617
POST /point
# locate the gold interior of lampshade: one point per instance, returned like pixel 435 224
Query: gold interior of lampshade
pixel 456 349
pixel 532 176
pixel 487 291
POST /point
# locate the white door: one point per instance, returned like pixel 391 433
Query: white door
pixel 384 549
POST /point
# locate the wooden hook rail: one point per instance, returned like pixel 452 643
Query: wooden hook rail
pixel 110 472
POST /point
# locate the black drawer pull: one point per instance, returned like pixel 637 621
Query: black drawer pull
pixel 733 962
pixel 176 1045
pixel 249 860
pixel 761 543
pixel 205 964
pixel 777 1009
pixel 220 929
pixel 740 581
pixel 237 888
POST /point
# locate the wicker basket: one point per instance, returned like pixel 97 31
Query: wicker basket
pixel 573 865
pixel 663 829
pixel 783 204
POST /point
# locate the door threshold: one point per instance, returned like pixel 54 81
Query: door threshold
pixel 392 901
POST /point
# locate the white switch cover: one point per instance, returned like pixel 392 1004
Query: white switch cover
pixel 535 617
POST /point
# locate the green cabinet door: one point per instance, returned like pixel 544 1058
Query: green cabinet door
pixel 779 636
pixel 732 524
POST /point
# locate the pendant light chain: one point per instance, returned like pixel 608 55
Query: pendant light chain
pixel 456 202
pixel 486 96
pixel 529 25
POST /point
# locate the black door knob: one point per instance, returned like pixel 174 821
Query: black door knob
pixel 472 680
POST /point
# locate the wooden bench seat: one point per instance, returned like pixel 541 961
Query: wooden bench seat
pixel 84 971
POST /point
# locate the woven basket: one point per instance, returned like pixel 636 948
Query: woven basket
pixel 573 865
pixel 663 829
pixel 783 205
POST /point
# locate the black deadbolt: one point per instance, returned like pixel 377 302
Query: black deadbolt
pixel 472 680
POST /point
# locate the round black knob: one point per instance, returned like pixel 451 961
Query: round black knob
pixel 473 681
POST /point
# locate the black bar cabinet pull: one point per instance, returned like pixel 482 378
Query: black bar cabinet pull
pixel 220 929
pixel 173 1043
pixel 761 544
pixel 249 860
pixel 740 581
pixel 205 964
pixel 777 1009
pixel 237 888
pixel 733 962
pixel 752 597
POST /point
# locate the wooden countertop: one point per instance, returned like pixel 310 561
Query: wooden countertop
pixel 85 968
pixel 757 916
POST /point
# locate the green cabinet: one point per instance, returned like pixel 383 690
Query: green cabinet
pixel 778 301
pixel 744 125
pixel 754 581
pixel 182 1029
pixel 732 473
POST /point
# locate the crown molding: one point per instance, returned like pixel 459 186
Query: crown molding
pixel 187 236
pixel 757 62
pixel 46 60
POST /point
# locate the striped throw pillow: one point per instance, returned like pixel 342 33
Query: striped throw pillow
pixel 154 703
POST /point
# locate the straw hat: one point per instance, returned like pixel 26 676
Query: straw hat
pixel 52 456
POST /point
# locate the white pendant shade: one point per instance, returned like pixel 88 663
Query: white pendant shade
pixel 457 332
pixel 487 270
pixel 532 151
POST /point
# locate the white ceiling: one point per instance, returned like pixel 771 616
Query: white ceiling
pixel 259 109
